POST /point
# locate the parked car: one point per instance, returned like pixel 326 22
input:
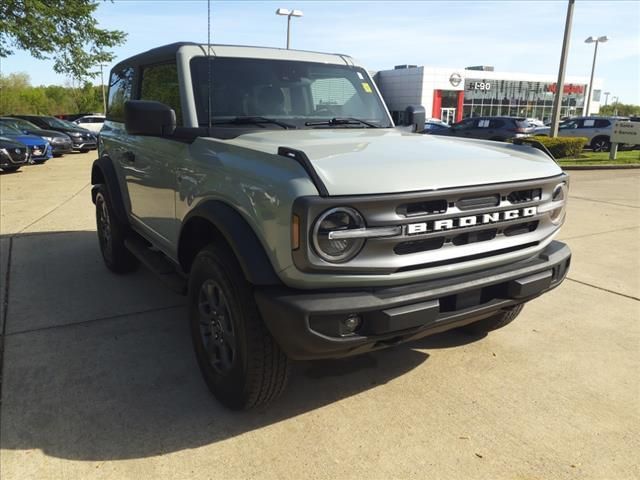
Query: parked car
pixel 13 154
pixel 489 128
pixel 39 148
pixel 81 139
pixel 92 123
pixel 597 131
pixel 303 224
pixel 433 124
pixel 60 142
pixel 535 122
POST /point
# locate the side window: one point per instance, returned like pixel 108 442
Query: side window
pixel 494 123
pixel 120 84
pixel 160 83
pixel 483 123
pixel 602 123
pixel 587 123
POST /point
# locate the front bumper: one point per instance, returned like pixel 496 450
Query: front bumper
pixel 59 148
pixel 306 325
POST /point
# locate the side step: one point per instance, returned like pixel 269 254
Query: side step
pixel 157 263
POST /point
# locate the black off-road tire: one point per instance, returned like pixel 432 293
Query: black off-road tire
pixel 492 323
pixel 240 361
pixel 111 235
pixel 10 169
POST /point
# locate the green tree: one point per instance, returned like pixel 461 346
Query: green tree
pixel 622 109
pixel 62 30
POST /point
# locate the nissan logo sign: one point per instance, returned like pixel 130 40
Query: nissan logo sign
pixel 455 79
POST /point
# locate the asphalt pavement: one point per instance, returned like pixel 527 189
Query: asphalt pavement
pixel 99 379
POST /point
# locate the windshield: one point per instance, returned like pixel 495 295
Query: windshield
pixel 293 92
pixel 8 129
pixel 57 123
pixel 19 123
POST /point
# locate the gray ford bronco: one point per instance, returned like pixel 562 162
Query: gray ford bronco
pixel 272 188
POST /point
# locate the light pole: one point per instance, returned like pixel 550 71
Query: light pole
pixel 285 12
pixel 606 97
pixel 104 98
pixel 595 40
pixel 557 99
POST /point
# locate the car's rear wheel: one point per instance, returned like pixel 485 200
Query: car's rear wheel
pixel 239 359
pixel 494 322
pixel 111 235
pixel 600 144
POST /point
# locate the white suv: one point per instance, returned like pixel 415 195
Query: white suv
pixel 91 122
pixel 597 131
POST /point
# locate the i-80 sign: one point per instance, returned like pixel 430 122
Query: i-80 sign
pixel 626 132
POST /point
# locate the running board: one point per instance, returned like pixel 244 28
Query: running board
pixel 157 263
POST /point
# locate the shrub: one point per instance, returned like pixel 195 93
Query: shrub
pixel 560 147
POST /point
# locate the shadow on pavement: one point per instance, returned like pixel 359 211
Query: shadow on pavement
pixel 128 386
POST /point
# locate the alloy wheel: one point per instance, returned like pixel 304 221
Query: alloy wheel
pixel 216 327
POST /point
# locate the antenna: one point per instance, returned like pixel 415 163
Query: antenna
pixel 209 79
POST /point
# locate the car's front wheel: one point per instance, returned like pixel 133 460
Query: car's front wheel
pixel 111 235
pixel 241 362
pixel 494 322
pixel 10 169
pixel 600 144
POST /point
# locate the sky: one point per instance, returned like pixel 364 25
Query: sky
pixel 513 36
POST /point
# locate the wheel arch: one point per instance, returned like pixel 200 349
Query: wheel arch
pixel 103 172
pixel 216 221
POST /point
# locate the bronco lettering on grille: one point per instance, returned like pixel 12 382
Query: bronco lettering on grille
pixel 469 221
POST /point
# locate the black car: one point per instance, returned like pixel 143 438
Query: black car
pixel 13 155
pixel 489 128
pixel 60 142
pixel 81 139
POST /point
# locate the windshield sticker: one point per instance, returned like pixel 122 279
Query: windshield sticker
pixel 366 87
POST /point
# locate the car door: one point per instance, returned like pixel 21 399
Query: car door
pixel 569 128
pixel 150 163
pixel 464 128
pixel 481 128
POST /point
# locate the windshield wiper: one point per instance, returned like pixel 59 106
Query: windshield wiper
pixel 341 121
pixel 250 120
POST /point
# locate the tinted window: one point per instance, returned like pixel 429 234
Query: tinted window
pixel 602 123
pixel 160 83
pixel 120 85
pixel 495 123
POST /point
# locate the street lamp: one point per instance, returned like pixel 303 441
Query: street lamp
pixel 104 97
pixel 595 40
pixel 285 12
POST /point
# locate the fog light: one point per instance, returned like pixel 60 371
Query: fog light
pixel 350 324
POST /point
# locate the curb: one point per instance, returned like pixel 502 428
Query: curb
pixel 600 167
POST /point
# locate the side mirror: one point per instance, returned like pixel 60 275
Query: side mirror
pixel 146 117
pixel 415 117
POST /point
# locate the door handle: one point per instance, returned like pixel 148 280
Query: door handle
pixel 129 156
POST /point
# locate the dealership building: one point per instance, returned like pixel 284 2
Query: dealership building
pixel 452 94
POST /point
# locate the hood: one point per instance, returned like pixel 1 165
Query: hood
pixel 29 139
pixel 46 133
pixel 377 161
pixel 6 142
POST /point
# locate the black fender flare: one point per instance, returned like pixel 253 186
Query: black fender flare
pixel 244 242
pixel 103 171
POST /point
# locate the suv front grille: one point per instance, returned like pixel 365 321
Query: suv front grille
pixel 439 227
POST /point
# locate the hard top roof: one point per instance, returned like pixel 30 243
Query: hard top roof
pixel 168 52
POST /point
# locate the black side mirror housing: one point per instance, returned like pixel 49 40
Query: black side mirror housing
pixel 146 117
pixel 415 117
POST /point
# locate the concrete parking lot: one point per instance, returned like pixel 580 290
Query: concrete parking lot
pixel 99 380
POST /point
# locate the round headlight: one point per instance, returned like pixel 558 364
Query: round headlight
pixel 334 220
pixel 559 195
